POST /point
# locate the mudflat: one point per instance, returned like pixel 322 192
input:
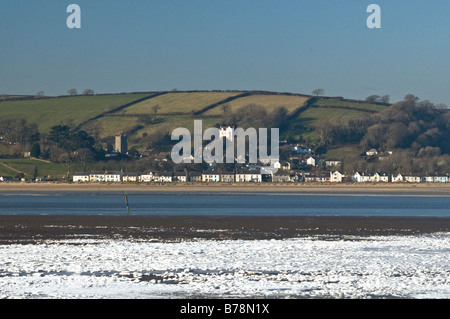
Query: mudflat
pixel 38 229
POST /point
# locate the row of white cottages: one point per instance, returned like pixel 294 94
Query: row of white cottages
pixel 255 176
pixel 168 177
pixel 375 177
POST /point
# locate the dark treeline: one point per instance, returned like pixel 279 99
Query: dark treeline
pixel 254 115
pixel 409 124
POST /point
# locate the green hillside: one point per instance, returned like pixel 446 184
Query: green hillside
pixel 47 112
pixel 332 127
pixel 105 116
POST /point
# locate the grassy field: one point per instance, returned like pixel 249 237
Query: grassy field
pixel 27 166
pixel 179 102
pixel 115 125
pixel 307 122
pixel 269 102
pixel 49 112
pixel 365 106
pixel 5 171
pixel 176 109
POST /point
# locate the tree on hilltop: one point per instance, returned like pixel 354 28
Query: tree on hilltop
pixel 318 92
pixel 72 92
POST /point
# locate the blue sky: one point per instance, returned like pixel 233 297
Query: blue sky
pixel 286 46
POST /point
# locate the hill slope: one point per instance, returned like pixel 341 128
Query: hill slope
pixel 105 116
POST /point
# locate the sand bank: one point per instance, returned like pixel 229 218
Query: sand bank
pixel 363 189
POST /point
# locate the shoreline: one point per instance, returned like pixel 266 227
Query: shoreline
pixel 362 189
pixel 17 229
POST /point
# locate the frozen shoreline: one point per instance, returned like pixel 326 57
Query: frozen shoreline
pixel 310 267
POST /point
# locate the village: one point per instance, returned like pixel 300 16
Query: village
pixel 319 170
pixel 253 176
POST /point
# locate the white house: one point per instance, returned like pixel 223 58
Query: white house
pixel 372 152
pixel 311 161
pixel 81 177
pixel 147 177
pixel 380 177
pixel 412 179
pixel 336 177
pixel 246 177
pixel 363 177
pixel 132 177
pixel 284 166
pixel 254 177
pixel 213 177
pixel 227 132
pixel 166 177
pixel 227 177
pixel 435 179
pixel 114 177
pixel 96 177
pixel 397 178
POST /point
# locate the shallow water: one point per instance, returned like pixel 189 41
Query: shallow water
pixel 224 204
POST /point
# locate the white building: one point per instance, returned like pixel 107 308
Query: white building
pixel 336 177
pixel 412 179
pixel 380 177
pixel 212 177
pixel 132 177
pixel 372 152
pixel 113 177
pixel 81 177
pixel 96 177
pixel 147 177
pixel 227 132
pixel 364 177
pixel 311 161
pixel 247 177
pixel 163 178
pixel 397 178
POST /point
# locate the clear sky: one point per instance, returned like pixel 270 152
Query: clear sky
pixel 285 46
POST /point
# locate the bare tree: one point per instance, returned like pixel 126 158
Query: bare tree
pixel 40 94
pixel 373 98
pixel 318 92
pixel 226 108
pixel 72 92
pixel 156 108
pixel 88 92
pixel 441 106
pixel 385 99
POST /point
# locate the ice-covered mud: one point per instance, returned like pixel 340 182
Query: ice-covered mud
pixel 366 267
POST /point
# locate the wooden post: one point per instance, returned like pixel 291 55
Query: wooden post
pixel 126 200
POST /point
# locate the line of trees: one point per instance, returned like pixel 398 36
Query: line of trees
pixel 85 92
pixel 410 124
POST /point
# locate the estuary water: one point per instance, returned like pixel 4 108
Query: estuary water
pixel 223 205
